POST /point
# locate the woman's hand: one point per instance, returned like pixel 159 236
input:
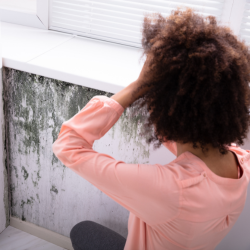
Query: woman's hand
pixel 146 75
pixel 130 94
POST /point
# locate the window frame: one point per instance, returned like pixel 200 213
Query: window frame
pixel 38 19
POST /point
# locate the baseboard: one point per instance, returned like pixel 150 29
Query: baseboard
pixel 42 233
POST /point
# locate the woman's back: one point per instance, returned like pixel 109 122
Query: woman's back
pixel 229 167
pixel 208 205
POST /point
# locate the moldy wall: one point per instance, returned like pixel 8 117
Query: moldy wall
pixel 44 191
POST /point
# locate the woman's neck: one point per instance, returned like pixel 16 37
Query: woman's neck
pixel 222 165
pixel 211 153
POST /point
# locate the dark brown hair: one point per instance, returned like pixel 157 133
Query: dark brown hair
pixel 200 92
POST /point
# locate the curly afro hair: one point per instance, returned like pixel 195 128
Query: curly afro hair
pixel 200 92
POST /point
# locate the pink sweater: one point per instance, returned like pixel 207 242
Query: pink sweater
pixel 180 205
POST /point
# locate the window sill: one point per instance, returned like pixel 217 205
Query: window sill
pixel 79 60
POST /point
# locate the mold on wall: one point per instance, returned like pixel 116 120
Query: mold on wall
pixel 4 189
pixel 43 190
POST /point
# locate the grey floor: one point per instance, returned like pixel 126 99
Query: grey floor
pixel 15 239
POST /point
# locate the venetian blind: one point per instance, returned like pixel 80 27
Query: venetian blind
pixel 245 25
pixel 117 20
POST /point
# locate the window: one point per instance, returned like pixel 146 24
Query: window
pixel 118 21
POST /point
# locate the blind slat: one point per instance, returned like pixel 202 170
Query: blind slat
pixel 119 20
pixel 121 28
pixel 145 4
pixel 167 7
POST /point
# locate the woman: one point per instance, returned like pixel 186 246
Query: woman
pixel 195 85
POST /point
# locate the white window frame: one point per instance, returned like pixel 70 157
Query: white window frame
pixel 28 18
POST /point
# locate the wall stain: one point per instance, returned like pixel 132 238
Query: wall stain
pixel 23 218
pixel 35 183
pixel 22 203
pixel 12 188
pixel 25 173
pixel 36 108
pixel 37 196
pixel 54 189
pixel 38 175
pixel 15 168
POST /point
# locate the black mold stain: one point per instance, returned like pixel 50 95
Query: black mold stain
pixel 35 183
pixel 53 189
pixel 12 188
pixel 23 218
pixel 22 203
pixel 54 159
pixel 35 100
pixel 38 176
pixel 25 173
pixel 37 196
pixel 13 213
pixel 15 168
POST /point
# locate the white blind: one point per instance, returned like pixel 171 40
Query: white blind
pixel 117 20
pixel 245 25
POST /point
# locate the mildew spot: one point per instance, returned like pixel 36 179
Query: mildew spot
pixel 12 188
pixel 23 218
pixel 35 183
pixel 15 168
pixel 38 175
pixel 22 203
pixel 53 189
pixel 13 213
pixel 25 173
pixel 37 196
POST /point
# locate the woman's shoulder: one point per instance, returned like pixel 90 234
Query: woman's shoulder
pixel 238 150
pixel 187 166
pixel 243 156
